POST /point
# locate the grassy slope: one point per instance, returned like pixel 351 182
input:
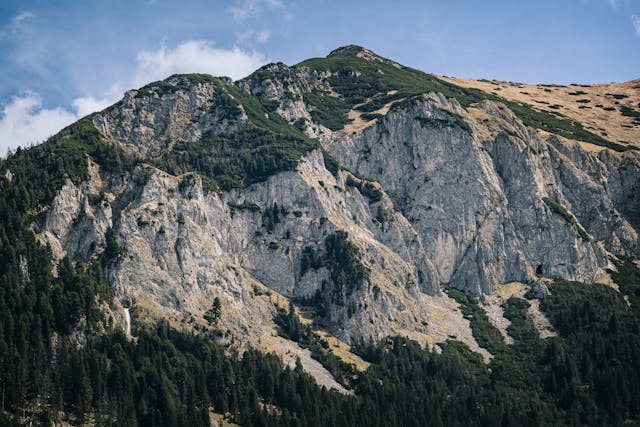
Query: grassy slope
pixel 359 80
pixel 609 110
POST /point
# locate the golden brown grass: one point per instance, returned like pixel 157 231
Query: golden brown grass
pixel 597 107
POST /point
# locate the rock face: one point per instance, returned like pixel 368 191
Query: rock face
pixel 478 206
pixel 429 194
pixel 148 121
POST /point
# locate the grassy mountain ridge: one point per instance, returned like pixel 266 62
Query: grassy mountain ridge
pixel 359 75
pixel 609 111
pixel 366 81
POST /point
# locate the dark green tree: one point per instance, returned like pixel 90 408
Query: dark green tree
pixel 212 316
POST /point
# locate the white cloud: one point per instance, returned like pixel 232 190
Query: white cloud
pixel 196 56
pixel 613 3
pixel 24 120
pixel 635 20
pixel 88 104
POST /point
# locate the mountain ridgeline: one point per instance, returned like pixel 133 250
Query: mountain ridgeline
pixel 346 241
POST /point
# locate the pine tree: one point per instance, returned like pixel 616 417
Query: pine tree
pixel 212 316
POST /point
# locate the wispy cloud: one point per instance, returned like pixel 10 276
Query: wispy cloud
pixel 23 44
pixel 257 36
pixel 20 21
pixel 263 36
pixel 24 120
pixel 244 9
pixel 635 20
pixel 613 3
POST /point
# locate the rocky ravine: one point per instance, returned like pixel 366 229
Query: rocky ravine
pixel 467 197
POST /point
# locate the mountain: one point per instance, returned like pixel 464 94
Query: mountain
pixel 395 235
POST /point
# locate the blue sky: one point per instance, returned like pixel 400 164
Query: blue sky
pixel 60 60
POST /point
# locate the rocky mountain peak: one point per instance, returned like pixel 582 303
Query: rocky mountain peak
pixel 348 50
pixel 355 51
pixel 354 187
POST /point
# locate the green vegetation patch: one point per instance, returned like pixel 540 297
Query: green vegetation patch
pixel 358 79
pixel 455 121
pixel 556 207
pixel 378 102
pixel 370 116
pixel 365 187
pixel 159 88
pixel 521 329
pixel 630 112
pixel 329 111
pixel 343 261
pixel 578 378
pixel 601 353
pixel 487 336
pixel 559 125
pixel 244 206
pixel 268 145
pixel 617 95
pixel 627 277
pixel 330 163
pixel 237 160
pixel 347 274
pixel 42 170
pixel 290 327
pixel 197 78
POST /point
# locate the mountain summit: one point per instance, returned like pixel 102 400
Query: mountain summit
pixel 308 210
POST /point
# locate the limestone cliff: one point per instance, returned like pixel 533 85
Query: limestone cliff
pixel 395 185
